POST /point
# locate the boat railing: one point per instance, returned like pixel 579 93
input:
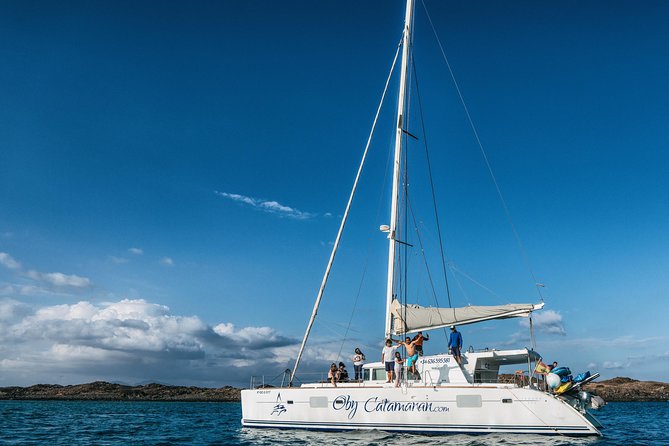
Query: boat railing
pixel 428 378
pixel 262 381
pixel 283 380
pixel 520 378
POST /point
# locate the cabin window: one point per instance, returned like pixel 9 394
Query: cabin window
pixel 374 374
pixel 468 400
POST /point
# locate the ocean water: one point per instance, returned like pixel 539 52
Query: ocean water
pixel 158 423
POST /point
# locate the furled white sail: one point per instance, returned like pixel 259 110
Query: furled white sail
pixel 413 318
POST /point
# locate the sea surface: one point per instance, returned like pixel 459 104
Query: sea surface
pixel 169 423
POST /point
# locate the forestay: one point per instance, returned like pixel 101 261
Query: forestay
pixel 413 318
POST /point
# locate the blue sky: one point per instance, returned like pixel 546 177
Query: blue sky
pixel 172 176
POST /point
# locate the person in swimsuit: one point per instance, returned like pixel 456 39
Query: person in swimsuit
pixel 412 354
pixel 388 358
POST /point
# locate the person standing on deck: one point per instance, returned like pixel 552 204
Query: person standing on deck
pixel 398 369
pixel 388 358
pixel 455 345
pixel 358 360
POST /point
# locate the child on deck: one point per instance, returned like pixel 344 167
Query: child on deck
pixel 399 363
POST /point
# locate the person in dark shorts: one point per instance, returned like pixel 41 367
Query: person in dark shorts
pixel 358 360
pixel 388 358
pixel 419 339
pixel 343 373
pixel 455 344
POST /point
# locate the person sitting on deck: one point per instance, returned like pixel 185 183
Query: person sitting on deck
pixel 455 345
pixel 343 373
pixel 333 374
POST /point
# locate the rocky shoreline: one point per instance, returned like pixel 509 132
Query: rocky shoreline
pixel 627 389
pixel 616 389
pixel 104 391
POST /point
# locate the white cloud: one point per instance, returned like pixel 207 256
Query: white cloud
pixel 131 340
pixel 60 279
pixel 270 206
pixel 136 251
pixel 11 309
pixel 614 365
pixel 81 310
pixel 118 260
pixel 167 261
pixel 29 290
pixel 47 283
pixel 8 261
pixel 253 337
pixel 546 321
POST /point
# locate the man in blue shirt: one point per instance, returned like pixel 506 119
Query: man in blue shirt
pixel 455 344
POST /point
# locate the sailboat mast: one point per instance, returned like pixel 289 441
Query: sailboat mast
pixel 399 134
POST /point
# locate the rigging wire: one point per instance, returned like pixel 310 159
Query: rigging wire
pixel 369 247
pixel 452 268
pixel 523 252
pixel 343 222
pixel 367 257
pixel 455 268
pixel 355 304
pixel 427 267
pixel 434 196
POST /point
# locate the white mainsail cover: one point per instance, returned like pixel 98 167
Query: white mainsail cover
pixel 413 318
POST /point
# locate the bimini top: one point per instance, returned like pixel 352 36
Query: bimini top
pixel 413 318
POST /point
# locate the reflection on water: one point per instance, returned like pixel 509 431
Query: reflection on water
pixel 275 436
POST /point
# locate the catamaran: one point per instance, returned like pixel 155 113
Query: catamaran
pixel 445 396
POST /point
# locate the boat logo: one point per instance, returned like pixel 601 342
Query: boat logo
pixel 279 409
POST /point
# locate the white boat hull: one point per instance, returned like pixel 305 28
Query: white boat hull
pixel 473 409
